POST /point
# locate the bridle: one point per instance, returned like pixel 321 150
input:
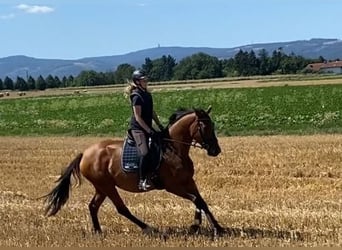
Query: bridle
pixel 194 143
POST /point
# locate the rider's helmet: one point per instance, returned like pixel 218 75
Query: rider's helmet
pixel 138 75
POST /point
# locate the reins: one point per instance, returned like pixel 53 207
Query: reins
pixel 192 144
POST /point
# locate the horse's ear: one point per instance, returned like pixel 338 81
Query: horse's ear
pixel 209 109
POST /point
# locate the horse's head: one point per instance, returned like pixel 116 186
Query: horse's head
pixel 192 127
pixel 204 132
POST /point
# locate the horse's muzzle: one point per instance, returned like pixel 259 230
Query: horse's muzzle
pixel 214 150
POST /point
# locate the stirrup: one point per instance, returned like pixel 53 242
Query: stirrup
pixel 144 185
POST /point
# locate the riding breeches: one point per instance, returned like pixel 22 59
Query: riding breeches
pixel 141 140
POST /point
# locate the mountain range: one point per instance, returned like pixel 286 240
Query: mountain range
pixel 23 66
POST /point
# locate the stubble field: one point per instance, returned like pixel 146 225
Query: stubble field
pixel 266 191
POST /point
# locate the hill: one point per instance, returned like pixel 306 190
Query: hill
pixel 21 65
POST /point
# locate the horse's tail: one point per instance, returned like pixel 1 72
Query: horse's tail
pixel 60 194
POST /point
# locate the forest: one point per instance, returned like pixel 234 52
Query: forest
pixel 166 68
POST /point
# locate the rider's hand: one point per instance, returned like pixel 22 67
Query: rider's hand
pixel 152 133
pixel 161 127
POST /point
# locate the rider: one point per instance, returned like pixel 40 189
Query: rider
pixel 141 122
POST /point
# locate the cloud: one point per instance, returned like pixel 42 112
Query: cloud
pixel 34 9
pixel 8 16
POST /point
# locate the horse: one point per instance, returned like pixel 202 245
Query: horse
pixel 100 164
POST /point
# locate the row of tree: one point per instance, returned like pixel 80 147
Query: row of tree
pixel 197 66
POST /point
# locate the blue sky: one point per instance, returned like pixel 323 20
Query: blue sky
pixel 73 29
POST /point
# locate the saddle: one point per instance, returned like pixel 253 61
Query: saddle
pixel 130 157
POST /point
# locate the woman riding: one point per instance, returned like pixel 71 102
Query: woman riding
pixel 143 114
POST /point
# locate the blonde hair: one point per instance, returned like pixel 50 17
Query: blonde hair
pixel 129 89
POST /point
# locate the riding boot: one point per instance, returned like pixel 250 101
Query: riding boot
pixel 143 183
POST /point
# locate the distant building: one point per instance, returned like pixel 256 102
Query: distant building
pixel 326 67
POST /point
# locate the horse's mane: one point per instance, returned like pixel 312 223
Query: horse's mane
pixel 180 112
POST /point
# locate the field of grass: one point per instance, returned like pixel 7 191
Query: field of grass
pixel 236 111
pixel 268 191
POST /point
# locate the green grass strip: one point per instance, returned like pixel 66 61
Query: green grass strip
pixel 244 111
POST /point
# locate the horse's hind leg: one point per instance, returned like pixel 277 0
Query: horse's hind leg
pixel 123 210
pixel 94 206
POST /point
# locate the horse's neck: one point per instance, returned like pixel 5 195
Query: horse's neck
pixel 180 133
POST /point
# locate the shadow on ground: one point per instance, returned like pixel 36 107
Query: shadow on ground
pixel 229 232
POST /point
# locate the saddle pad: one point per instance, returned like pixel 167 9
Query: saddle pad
pixel 129 158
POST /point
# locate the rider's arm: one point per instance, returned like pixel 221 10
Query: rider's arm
pixel 156 119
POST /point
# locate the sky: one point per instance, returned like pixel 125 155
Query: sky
pixel 74 29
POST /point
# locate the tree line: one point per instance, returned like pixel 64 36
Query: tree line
pixel 197 66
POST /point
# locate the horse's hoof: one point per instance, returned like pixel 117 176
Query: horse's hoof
pixel 96 231
pixel 194 229
pixel 149 230
pixel 219 231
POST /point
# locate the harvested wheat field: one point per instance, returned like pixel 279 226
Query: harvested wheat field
pixel 266 191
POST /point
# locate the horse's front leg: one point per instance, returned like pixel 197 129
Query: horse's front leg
pixel 202 205
pixel 190 192
pixel 197 221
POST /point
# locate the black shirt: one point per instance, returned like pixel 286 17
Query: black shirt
pixel 143 99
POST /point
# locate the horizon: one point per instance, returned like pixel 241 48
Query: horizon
pixel 60 29
pixel 165 47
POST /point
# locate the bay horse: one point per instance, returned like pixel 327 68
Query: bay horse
pixel 100 164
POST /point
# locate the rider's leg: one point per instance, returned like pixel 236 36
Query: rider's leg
pixel 141 141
